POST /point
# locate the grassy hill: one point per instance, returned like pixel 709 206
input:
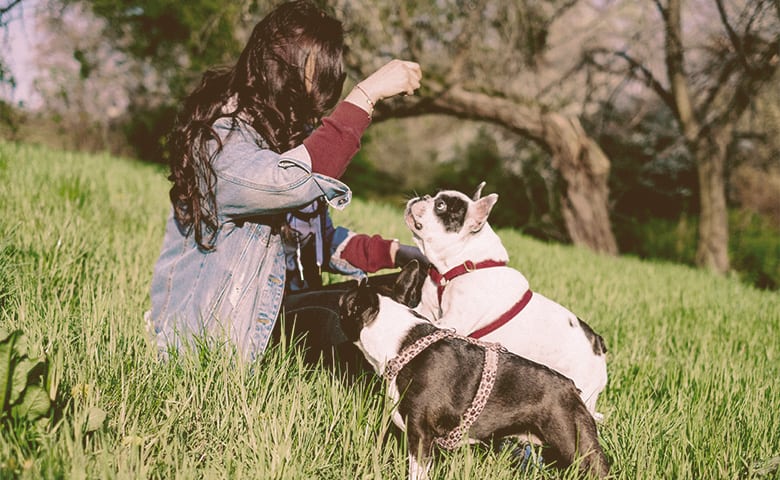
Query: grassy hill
pixel 694 389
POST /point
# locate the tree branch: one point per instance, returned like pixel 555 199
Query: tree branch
pixel 736 42
pixel 7 8
pixel 648 77
pixel 637 70
pixel 458 102
pixel 748 84
pixel 675 68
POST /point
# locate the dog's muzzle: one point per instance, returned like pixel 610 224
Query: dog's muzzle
pixel 417 225
pixel 411 220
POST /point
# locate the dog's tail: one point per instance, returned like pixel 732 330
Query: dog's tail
pixel 596 340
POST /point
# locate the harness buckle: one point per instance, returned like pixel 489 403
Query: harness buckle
pixel 469 266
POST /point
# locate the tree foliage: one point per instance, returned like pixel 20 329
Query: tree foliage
pixel 178 39
pixel 7 114
pixel 526 195
pixel 708 89
pixel 156 51
pixel 487 60
pixel 574 78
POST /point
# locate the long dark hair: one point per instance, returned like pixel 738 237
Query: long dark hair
pixel 287 76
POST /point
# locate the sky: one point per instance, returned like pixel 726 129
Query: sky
pixel 17 43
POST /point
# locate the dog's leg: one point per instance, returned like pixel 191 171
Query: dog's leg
pixel 594 462
pixel 577 438
pixel 420 445
pixel 417 471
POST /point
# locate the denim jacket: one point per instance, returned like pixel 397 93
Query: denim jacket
pixel 235 290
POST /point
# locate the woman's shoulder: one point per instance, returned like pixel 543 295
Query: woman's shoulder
pixel 239 130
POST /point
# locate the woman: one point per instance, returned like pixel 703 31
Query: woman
pixel 248 168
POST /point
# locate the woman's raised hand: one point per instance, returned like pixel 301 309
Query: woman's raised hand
pixel 396 76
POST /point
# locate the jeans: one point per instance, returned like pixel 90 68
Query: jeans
pixel 312 321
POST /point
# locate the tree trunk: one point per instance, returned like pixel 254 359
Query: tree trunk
pixel 708 147
pixel 713 248
pixel 582 164
pixel 585 171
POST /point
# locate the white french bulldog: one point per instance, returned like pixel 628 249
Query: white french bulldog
pixel 472 290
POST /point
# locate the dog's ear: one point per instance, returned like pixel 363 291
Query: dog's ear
pixel 480 211
pixel 358 307
pixel 350 324
pixel 366 295
pixel 349 301
pixel 407 289
pixel 478 193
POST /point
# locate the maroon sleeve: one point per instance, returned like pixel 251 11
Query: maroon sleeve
pixel 368 253
pixel 333 144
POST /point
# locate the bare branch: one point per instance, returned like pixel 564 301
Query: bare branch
pixel 661 8
pixel 729 67
pixel 637 70
pixel 749 83
pixel 736 42
pixel 648 77
pixel 675 68
pixel 7 8
pixel 560 11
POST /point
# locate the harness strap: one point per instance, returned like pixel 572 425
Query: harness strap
pixel 441 281
pixel 486 382
pixel 407 354
pixel 509 315
pixel 489 371
pixel 314 223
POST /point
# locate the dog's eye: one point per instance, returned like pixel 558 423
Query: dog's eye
pixel 440 206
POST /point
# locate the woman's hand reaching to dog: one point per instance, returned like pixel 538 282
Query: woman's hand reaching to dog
pixel 395 77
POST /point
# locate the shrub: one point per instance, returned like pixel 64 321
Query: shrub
pixel 754 244
pixel 755 249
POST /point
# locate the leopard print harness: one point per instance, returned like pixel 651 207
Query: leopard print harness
pixel 488 379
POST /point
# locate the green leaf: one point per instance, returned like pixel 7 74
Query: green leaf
pixel 21 346
pixel 42 423
pixel 54 377
pixel 5 334
pixel 6 356
pixel 95 418
pixel 34 404
pixel 20 378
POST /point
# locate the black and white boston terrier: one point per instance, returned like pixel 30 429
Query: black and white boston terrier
pixel 472 290
pixel 448 388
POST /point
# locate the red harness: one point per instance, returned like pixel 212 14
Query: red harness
pixel 441 281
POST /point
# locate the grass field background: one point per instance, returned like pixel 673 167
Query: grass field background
pixel 694 360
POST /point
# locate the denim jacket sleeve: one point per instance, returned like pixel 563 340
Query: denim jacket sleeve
pixel 252 180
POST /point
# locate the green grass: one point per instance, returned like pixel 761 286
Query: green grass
pixel 694 389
